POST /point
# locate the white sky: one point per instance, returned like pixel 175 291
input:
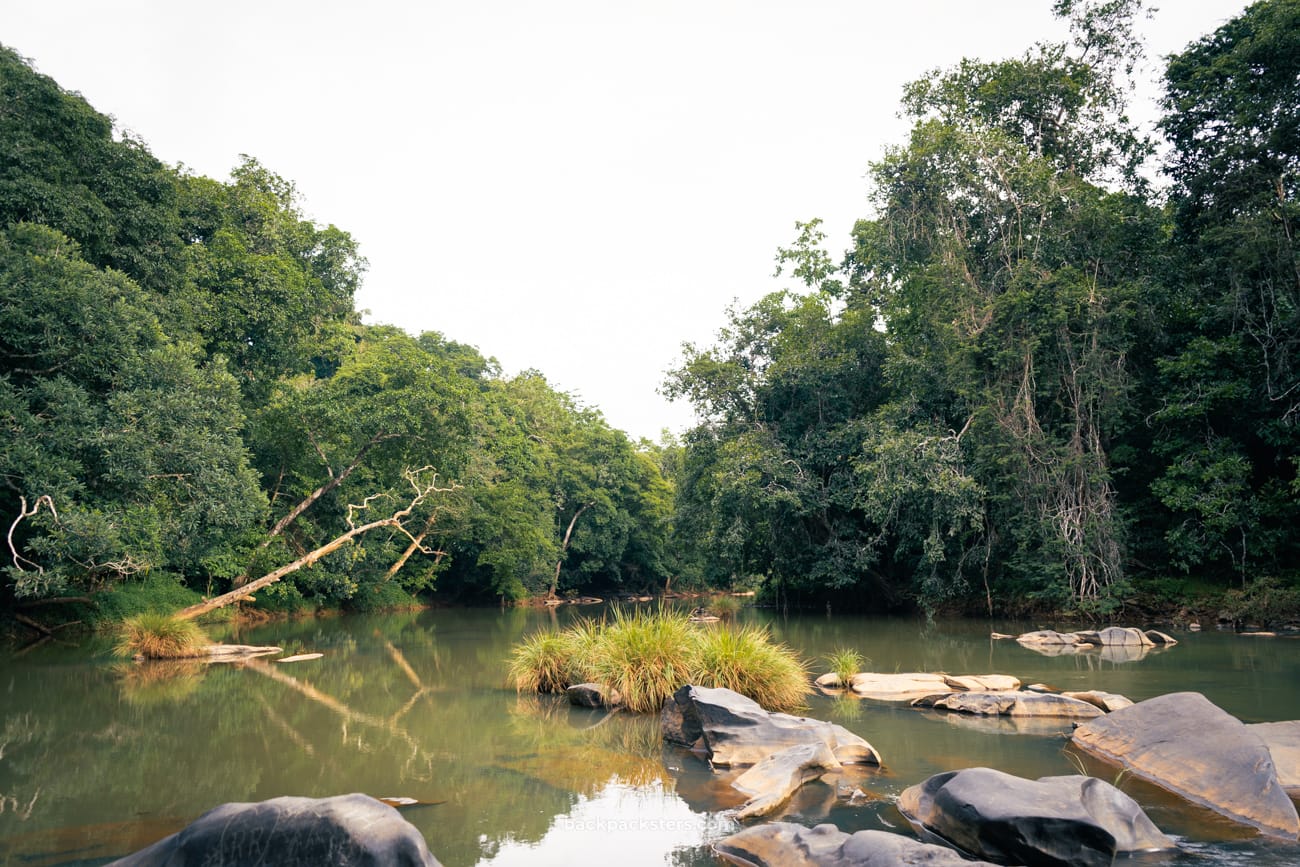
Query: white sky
pixel 576 187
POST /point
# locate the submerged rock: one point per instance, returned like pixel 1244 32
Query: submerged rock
pixel 730 729
pixel 293 832
pixel 1074 820
pixel 783 844
pixel 1184 743
pixel 1015 704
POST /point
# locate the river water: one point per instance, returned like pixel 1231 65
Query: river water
pixel 99 758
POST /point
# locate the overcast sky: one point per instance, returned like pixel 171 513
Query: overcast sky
pixel 576 187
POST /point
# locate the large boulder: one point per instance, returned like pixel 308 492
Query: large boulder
pixel 1077 821
pixel 771 782
pixel 730 729
pixel 1184 743
pixel 782 844
pixel 1016 704
pixel 352 830
pixel 1283 742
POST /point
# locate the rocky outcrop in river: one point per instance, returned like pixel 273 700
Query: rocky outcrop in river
pixel 1074 820
pixel 1186 744
pixel 343 831
pixel 783 844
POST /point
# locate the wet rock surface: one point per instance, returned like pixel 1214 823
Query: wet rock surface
pixel 293 832
pixel 782 844
pixel 1186 744
pixel 1074 820
pixel 1015 704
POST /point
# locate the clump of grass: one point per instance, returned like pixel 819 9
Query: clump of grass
pixel 746 661
pixel 159 636
pixel 726 607
pixel 845 662
pixel 545 662
pixel 645 657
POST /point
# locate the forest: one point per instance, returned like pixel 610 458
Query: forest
pixel 1056 369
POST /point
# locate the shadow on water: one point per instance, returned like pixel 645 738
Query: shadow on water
pixel 99 758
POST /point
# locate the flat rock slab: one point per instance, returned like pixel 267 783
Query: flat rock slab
pixel 733 730
pixel 238 651
pixel 1283 742
pixel 293 832
pixel 1075 820
pixel 771 782
pixel 905 687
pixel 1106 701
pixel 301 657
pixel 783 844
pixel 1184 743
pixel 1013 704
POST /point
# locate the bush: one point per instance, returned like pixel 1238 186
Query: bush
pixel 159 636
pixel 646 657
pixel 845 662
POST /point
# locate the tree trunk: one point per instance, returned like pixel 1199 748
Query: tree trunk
pixel 564 547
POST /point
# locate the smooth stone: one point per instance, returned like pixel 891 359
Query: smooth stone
pixel 1106 701
pixel 897 687
pixel 829 680
pixel 1113 635
pixel 1015 704
pixel 1283 742
pixel 593 695
pixel 771 782
pixel 293 832
pixel 733 730
pixel 1159 637
pixel 784 844
pixel 982 682
pixel 1047 636
pixel 1074 820
pixel 1184 743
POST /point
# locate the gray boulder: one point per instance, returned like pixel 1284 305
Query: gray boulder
pixel 1283 742
pixel 353 830
pixel 1016 704
pixel 771 782
pixel 730 729
pixel 782 844
pixel 1076 821
pixel 1184 743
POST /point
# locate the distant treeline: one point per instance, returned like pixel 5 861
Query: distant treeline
pixel 1037 376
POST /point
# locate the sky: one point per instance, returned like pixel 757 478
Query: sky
pixel 576 186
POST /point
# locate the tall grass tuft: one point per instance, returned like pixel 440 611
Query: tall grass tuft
pixel 159 636
pixel 726 607
pixel 645 657
pixel 845 662
pixel 745 660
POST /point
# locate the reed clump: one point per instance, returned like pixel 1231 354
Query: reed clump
pixel 159 636
pixel 845 662
pixel 645 657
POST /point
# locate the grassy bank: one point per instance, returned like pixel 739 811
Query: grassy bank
pixel 645 657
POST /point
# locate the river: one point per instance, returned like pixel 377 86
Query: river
pixel 99 757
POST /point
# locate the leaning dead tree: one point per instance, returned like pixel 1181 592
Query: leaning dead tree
pixel 424 484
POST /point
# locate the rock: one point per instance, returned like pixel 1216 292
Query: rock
pixel 982 682
pixel 1283 742
pixel 897 687
pixel 998 636
pixel 829 680
pixel 1073 820
pixel 1017 704
pixel 1194 627
pixel 1107 701
pixel 343 830
pixel 1133 636
pixel 771 782
pixel 1158 637
pixel 223 652
pixel 1047 636
pixel 1034 726
pixel 1184 743
pixel 732 730
pixel 783 844
pixel 593 695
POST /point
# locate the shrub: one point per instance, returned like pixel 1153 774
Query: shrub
pixel 845 662
pixel 746 661
pixel 159 636
pixel 645 657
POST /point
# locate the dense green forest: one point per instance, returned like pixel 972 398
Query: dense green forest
pixel 1058 361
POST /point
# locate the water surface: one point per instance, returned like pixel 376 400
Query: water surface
pixel 99 758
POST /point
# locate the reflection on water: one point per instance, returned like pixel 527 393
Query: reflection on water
pixel 98 758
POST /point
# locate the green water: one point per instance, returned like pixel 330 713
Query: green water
pixel 98 758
